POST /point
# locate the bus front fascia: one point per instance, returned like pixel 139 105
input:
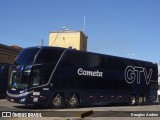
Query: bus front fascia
pixel 22 95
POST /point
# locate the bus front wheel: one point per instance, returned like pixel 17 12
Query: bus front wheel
pixel 73 101
pixel 57 101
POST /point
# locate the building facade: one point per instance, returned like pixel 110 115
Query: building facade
pixel 8 54
pixel 68 39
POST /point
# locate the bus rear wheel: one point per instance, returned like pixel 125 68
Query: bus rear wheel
pixel 141 100
pixel 73 101
pixel 57 101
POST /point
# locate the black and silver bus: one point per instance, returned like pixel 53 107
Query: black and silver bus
pixel 4 75
pixel 59 76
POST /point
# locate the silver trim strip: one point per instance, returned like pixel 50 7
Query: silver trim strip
pixel 18 95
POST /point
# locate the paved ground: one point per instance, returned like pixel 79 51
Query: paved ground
pixel 95 113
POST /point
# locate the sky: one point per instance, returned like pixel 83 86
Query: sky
pixel 125 28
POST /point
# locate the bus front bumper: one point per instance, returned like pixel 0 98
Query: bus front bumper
pixel 26 99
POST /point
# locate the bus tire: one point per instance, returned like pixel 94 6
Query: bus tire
pixel 73 101
pixel 133 100
pixel 57 101
pixel 140 100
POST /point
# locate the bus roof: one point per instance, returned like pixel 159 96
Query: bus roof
pixel 79 51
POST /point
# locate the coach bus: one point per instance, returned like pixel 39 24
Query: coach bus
pixel 61 77
pixel 4 75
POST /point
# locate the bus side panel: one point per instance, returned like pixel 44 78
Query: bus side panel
pixel 92 89
pixel 111 87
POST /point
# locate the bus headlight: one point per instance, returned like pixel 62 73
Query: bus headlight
pixel 22 100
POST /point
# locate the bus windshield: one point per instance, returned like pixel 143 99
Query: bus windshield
pixel 18 81
pixel 34 67
pixel 26 56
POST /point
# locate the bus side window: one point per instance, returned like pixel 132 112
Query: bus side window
pixel 36 78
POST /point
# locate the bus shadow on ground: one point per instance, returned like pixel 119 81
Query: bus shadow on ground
pixel 40 107
pixel 32 107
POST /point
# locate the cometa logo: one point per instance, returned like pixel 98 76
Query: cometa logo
pixel 89 73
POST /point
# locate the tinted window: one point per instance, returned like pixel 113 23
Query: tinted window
pixel 81 59
pixel 26 56
pixel 107 62
pixel 41 74
pixel 49 55
pixel 113 62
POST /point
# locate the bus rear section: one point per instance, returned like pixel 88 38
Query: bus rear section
pixel 60 77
